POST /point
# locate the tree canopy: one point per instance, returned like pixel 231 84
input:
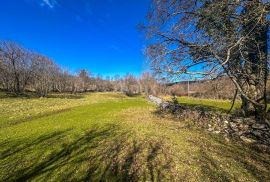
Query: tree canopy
pixel 213 38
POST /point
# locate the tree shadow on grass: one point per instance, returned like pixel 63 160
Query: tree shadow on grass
pixel 33 95
pixel 204 107
pixel 66 96
pixel 220 160
pixel 32 118
pixel 8 95
pixel 12 148
pixel 216 158
pixel 101 154
pixel 110 153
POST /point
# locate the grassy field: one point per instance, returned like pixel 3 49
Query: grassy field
pixel 111 137
pixel 208 104
pixel 211 104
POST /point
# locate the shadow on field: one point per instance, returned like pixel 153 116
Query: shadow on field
pixel 99 155
pixel 32 95
pixel 217 158
pixel 20 146
pixel 213 156
pixel 66 96
pixel 32 118
pixel 112 154
pixel 204 107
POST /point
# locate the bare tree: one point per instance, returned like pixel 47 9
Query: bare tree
pixel 118 84
pixel 61 80
pixel 211 38
pixel 17 66
pixel 149 84
pixel 84 77
pixel 131 85
pixel 43 75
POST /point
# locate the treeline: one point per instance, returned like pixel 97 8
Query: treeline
pixel 22 70
pixel 221 88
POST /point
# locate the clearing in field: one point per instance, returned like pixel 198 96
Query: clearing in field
pixel 112 137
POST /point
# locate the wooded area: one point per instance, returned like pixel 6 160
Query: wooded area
pixel 22 70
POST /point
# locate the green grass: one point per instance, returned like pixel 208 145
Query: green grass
pixel 209 104
pixel 111 137
pixel 212 104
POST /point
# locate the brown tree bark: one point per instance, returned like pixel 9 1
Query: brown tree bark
pixel 255 70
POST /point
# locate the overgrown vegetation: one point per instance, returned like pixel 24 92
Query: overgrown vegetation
pixel 108 136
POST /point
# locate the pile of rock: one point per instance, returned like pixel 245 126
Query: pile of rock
pixel 159 102
pixel 246 129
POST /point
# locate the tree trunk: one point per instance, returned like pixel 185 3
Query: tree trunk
pixel 247 107
pixel 256 93
pixel 255 68
pixel 17 87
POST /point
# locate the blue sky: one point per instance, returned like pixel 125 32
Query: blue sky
pixel 99 35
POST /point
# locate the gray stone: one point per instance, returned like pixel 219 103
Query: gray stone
pixel 267 122
pixel 164 104
pixel 225 126
pixel 257 133
pixel 238 120
pixel 247 140
pixel 243 126
pixel 233 125
pixel 158 101
pixel 226 131
pixel 240 133
pixel 258 126
pixel 249 121
pixel 210 129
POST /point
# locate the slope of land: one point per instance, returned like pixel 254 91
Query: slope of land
pixel 111 137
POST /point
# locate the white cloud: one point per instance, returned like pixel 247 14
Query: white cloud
pixel 50 3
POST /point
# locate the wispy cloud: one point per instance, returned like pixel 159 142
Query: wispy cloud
pixel 49 3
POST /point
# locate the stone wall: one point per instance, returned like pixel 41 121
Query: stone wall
pixel 229 125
